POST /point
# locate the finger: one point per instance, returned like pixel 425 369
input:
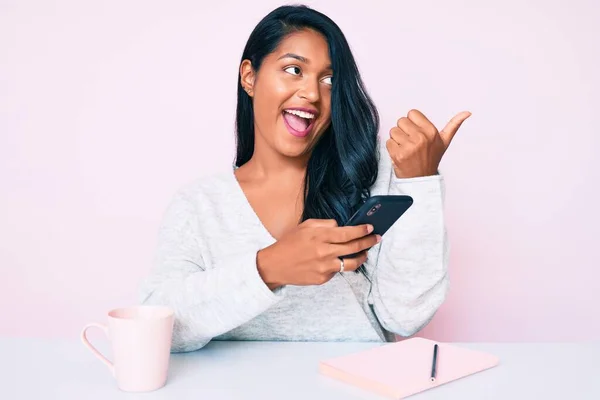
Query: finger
pixel 399 136
pixel 447 134
pixel 394 149
pixel 316 223
pixel 353 246
pixel 409 128
pixel 392 146
pixel 420 120
pixel 350 263
pixel 344 234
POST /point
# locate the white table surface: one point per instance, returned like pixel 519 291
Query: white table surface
pixel 64 369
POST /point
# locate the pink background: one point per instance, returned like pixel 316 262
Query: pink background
pixel 106 108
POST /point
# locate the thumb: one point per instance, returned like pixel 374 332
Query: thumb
pixel 447 134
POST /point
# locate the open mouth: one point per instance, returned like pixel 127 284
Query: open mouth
pixel 297 125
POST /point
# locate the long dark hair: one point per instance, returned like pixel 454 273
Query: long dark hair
pixel 343 164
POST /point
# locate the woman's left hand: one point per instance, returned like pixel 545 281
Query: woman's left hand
pixel 415 145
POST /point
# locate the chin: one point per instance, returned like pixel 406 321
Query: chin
pixel 292 149
pixel 291 146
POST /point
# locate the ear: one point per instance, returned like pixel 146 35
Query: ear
pixel 247 76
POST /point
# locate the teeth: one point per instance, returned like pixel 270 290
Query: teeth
pixel 300 114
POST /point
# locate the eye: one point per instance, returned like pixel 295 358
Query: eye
pixel 291 67
pixel 294 66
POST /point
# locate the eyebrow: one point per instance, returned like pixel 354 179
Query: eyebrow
pixel 299 58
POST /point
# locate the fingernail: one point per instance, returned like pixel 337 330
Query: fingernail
pixel 369 228
pixel 378 238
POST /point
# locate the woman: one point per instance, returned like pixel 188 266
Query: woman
pixel 256 253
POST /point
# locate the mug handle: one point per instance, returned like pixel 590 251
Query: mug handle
pixel 87 344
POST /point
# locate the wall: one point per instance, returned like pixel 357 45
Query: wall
pixel 107 108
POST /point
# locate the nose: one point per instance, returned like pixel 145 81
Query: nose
pixel 310 90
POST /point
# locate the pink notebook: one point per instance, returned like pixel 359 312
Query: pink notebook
pixel 401 369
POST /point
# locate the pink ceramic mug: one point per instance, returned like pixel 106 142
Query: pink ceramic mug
pixel 140 339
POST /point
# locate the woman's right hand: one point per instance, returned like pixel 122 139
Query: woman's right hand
pixel 308 254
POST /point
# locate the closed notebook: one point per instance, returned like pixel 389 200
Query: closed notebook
pixel 401 369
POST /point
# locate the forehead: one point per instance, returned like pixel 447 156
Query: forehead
pixel 307 43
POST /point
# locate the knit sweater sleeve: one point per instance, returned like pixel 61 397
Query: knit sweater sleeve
pixel 410 278
pixel 208 298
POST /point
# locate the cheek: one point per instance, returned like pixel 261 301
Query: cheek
pixel 326 117
pixel 278 87
pixel 327 100
pixel 272 97
pixel 264 107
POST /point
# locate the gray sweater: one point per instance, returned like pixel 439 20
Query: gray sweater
pixel 205 269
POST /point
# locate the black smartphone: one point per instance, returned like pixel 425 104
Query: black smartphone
pixel 381 211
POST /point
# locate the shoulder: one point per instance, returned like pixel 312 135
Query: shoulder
pixel 384 169
pixel 385 162
pixel 208 188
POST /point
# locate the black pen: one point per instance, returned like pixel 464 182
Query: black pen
pixel 434 362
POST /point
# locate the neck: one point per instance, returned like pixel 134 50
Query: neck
pixel 268 165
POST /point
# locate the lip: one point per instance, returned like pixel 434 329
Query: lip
pixel 308 110
pixel 296 133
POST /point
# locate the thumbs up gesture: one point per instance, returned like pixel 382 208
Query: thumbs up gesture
pixel 415 145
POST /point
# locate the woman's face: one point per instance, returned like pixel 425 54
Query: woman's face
pixel 285 82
